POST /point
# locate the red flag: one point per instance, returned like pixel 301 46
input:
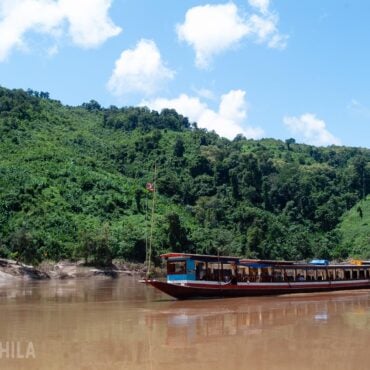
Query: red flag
pixel 150 186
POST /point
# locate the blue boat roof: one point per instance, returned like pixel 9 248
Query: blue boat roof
pixel 319 262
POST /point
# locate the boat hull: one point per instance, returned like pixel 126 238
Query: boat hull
pixel 191 290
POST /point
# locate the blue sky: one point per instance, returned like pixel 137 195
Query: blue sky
pixel 263 68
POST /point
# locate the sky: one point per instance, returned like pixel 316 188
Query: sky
pixel 261 68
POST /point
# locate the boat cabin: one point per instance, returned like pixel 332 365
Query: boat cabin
pixel 182 267
pixel 194 267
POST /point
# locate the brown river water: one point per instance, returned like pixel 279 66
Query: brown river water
pixel 121 324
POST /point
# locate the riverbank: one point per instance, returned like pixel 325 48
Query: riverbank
pixel 11 270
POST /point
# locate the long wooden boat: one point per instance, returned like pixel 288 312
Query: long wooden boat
pixel 202 276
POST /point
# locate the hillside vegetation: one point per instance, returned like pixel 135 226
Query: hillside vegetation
pixel 72 185
pixel 355 230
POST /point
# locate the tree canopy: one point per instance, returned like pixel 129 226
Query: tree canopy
pixel 72 185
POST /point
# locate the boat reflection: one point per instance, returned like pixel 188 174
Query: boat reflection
pixel 190 322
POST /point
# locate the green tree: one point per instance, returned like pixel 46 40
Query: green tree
pixel 179 147
pixel 95 247
pixel 177 238
pixel 289 142
pixel 23 246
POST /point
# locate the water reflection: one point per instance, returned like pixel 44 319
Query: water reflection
pixel 71 290
pixel 120 324
pixel 187 321
pixel 290 332
pixel 322 316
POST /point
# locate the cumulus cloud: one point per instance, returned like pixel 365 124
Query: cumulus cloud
pixel 228 121
pixel 310 130
pixel 85 21
pixel 89 23
pixel 266 31
pixel 139 70
pixel 213 29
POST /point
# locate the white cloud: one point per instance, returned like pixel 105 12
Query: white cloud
pixel 261 5
pixel 264 28
pixel 213 29
pixel 278 41
pixel 139 70
pixel 311 130
pixel 266 31
pixel 205 93
pixel 228 121
pixel 87 22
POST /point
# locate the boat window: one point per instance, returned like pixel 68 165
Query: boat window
pixel 253 274
pixel 213 271
pixel 311 275
pixel 331 274
pixel 228 272
pixel 289 275
pixel 200 270
pixel 243 273
pixel 176 267
pixel 300 275
pixel 321 274
pixel 339 274
pixel 278 275
pixel 266 274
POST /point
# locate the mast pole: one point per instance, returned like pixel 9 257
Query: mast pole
pixel 146 230
pixel 219 265
pixel 152 219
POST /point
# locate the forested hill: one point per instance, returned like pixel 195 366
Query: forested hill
pixel 73 182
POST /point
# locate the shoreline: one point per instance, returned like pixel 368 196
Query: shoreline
pixel 10 270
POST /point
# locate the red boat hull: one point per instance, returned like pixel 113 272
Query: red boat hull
pixel 203 290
